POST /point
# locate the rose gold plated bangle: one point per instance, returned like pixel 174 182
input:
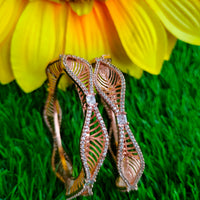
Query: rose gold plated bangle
pixel 110 84
pixel 94 138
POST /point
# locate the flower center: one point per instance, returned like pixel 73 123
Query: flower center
pixel 79 1
pixel 73 1
pixel 80 7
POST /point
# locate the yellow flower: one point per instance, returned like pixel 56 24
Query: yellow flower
pixel 138 34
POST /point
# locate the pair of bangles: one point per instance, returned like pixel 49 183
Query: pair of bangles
pixel 94 142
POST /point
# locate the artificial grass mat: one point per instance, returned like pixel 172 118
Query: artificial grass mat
pixel 164 116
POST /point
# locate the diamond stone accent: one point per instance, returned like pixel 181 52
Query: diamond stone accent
pixel 121 119
pixel 90 99
pixel 89 182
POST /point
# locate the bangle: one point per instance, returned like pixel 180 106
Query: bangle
pixel 94 137
pixel 110 84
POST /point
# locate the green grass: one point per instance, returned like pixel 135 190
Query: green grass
pixel 164 115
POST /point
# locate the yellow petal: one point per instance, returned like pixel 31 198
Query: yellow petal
pixel 95 35
pixel 10 11
pixel 171 42
pixel 82 8
pixel 181 18
pixel 6 74
pixel 85 37
pixel 64 82
pixel 141 33
pixel 119 57
pixel 38 38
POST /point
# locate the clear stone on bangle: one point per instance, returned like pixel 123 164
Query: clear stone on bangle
pixel 121 119
pixel 90 99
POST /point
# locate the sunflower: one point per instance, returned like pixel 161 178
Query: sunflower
pixel 139 35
